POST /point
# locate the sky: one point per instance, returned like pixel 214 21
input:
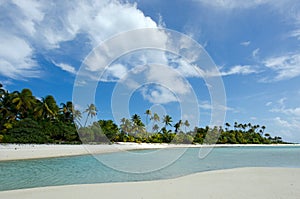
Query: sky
pixel 48 46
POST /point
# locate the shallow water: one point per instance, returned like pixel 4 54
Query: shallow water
pixel 102 168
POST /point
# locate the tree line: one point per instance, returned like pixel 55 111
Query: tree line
pixel 25 118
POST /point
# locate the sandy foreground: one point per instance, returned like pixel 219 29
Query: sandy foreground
pixel 34 151
pixel 242 183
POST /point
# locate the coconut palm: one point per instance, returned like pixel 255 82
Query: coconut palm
pixel 67 111
pixel 177 126
pixel 24 102
pixel 136 120
pixel 77 117
pixel 167 120
pixel 46 108
pixel 148 115
pixel 126 125
pixel 155 128
pixel 91 111
pixel 186 124
pixel 155 117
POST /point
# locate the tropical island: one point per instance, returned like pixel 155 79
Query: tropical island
pixel 25 118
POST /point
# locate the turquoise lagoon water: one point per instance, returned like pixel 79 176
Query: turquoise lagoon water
pixel 87 169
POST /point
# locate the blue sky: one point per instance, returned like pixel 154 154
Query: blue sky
pixel 254 44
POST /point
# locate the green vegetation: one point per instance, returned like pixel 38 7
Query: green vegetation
pixel 27 119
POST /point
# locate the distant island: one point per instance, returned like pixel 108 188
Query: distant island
pixel 25 118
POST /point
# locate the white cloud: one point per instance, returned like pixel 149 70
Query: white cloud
pixel 285 67
pixel 269 103
pixel 168 78
pixel 287 111
pixel 46 26
pixel 286 128
pixel 255 52
pixel 206 105
pixel 245 43
pixel 296 33
pixel 233 4
pixel 158 94
pixel 66 67
pixel 16 58
pixel 284 123
pixel 114 72
pixel 239 69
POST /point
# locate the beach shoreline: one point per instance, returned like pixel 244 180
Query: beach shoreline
pixel 9 152
pixel 252 182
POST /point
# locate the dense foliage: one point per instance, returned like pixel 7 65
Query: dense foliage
pixel 27 119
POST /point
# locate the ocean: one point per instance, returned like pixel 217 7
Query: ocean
pixel 140 165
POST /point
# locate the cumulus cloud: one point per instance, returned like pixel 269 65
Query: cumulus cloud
pixel 158 94
pixel 36 26
pixel 114 72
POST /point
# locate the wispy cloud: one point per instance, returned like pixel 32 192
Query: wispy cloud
pixel 285 66
pixel 206 105
pixel 295 33
pixel 234 4
pixel 16 57
pixel 239 69
pixel 66 67
pixel 255 53
pixel 245 43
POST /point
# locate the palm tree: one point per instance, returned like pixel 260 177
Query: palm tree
pixel 263 129
pixel 67 111
pixel 155 128
pixel 24 102
pixel 91 111
pixel 46 108
pixel 156 119
pixel 7 113
pixel 227 126
pixel 126 125
pixel 2 92
pixel 167 120
pixel 178 125
pixel 186 124
pixel 77 116
pixel 136 119
pixel 148 115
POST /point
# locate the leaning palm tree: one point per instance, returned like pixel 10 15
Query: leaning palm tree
pixel 77 117
pixel 91 111
pixel 177 126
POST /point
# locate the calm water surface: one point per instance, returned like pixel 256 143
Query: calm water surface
pixel 87 169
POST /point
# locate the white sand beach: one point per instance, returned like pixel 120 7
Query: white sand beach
pixel 245 183
pixel 34 151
